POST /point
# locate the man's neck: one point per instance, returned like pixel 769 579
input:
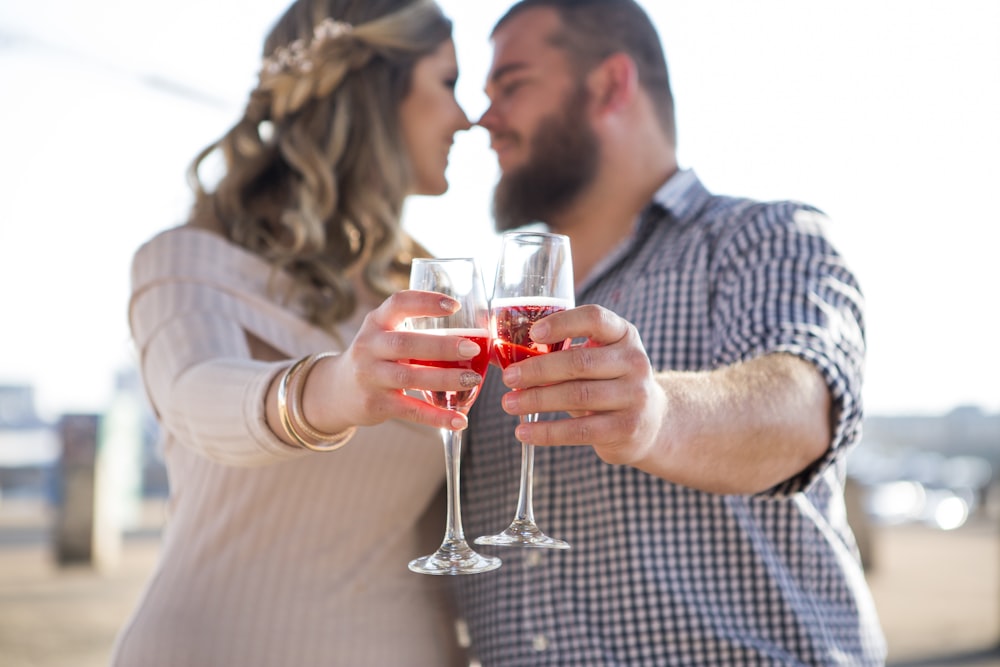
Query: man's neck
pixel 605 214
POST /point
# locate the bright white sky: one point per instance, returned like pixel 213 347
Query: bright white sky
pixel 884 113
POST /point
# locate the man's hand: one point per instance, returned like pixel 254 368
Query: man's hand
pixel 606 385
pixel 741 428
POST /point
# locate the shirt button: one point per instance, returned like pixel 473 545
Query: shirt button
pixel 533 558
pixel 540 643
pixel 462 633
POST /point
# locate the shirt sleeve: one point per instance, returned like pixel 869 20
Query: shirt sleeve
pixel 784 288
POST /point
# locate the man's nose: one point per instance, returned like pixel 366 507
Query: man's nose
pixel 487 120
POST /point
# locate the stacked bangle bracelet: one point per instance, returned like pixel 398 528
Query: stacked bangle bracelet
pixel 293 420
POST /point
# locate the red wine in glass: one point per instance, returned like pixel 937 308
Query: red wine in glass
pixel 534 279
pixel 459 400
pixel 458 278
pixel 512 320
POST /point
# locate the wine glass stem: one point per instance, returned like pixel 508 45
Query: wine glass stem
pixel 525 513
pixel 453 463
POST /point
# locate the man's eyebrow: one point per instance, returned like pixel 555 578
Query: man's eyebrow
pixel 504 70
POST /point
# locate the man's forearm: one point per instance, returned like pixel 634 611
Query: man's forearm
pixel 743 428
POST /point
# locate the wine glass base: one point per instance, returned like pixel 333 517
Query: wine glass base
pixel 522 534
pixel 452 559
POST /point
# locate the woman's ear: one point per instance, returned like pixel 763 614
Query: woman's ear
pixel 614 83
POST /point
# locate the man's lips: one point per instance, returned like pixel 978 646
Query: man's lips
pixel 503 146
pixel 502 142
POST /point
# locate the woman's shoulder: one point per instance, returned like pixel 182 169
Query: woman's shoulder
pixel 183 240
pixel 193 254
pixel 188 269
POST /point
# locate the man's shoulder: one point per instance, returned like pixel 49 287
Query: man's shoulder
pixel 725 216
pixel 729 209
pixel 689 200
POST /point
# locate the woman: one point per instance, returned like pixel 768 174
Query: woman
pixel 266 329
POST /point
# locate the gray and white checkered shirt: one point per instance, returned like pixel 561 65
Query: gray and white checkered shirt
pixel 661 574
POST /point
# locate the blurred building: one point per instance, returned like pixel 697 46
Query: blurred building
pixel 965 431
pixel 29 446
pixel 935 470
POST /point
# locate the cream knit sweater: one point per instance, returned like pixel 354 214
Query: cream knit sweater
pixel 271 555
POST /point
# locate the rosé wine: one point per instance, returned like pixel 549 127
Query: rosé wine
pixel 512 319
pixel 458 400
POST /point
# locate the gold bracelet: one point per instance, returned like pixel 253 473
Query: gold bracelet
pixel 290 390
pixel 296 415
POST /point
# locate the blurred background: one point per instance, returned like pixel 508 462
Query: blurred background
pixel 884 114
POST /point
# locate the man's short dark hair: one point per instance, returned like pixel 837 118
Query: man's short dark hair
pixel 592 30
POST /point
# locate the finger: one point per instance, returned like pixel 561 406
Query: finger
pixel 405 304
pixel 596 323
pixel 577 363
pixel 397 405
pixel 593 430
pixel 422 346
pixel 392 375
pixel 613 436
pixel 578 396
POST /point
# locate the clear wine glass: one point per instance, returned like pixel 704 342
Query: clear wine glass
pixel 461 280
pixel 534 279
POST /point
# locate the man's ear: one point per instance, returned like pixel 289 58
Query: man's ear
pixel 614 83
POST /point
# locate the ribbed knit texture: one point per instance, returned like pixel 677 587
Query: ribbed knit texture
pixel 271 555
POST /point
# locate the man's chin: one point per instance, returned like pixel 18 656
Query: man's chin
pixel 515 205
pixel 506 163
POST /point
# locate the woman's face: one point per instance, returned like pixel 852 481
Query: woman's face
pixel 429 117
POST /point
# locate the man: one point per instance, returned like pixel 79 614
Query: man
pixel 694 455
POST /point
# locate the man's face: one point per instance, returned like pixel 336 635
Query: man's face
pixel 538 123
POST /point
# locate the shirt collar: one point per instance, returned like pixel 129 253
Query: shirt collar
pixel 680 197
pixel 683 195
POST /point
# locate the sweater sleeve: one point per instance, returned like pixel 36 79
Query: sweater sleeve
pixel 194 299
pixel 209 393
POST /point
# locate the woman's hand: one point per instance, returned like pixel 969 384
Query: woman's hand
pixel 366 384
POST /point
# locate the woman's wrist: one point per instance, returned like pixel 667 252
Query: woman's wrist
pixel 291 408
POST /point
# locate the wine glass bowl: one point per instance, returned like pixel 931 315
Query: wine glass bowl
pixel 534 279
pixel 511 320
pixel 459 279
pixel 460 400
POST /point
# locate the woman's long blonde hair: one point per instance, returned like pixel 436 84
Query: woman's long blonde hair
pixel 316 171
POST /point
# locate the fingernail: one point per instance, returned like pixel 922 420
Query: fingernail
pixel 470 379
pixel 468 349
pixel 539 331
pixel 510 401
pixel 458 423
pixel 512 376
pixel 448 305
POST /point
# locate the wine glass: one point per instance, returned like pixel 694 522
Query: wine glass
pixel 460 279
pixel 534 279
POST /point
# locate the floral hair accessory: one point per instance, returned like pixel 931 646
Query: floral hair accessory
pixel 299 56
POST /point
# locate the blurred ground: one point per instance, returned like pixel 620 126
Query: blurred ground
pixel 938 593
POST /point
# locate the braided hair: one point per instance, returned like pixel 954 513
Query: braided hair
pixel 315 171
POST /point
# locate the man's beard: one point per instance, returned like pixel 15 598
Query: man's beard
pixel 563 161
